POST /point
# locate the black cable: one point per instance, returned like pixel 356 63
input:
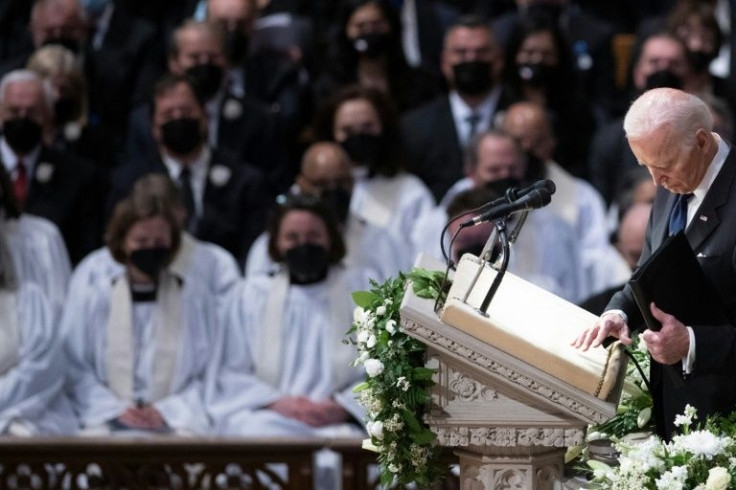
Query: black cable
pixel 455 218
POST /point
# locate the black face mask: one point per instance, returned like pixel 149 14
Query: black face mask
pixel 537 74
pixel 150 261
pixel 22 134
pixel 372 45
pixel 206 79
pixel 663 78
pixel 236 46
pixel 181 136
pixel 339 201
pixel 307 263
pixel 67 42
pixel 501 186
pixel 65 110
pixel 473 77
pixel 699 60
pixel 366 149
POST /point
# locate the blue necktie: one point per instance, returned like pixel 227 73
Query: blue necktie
pixel 678 215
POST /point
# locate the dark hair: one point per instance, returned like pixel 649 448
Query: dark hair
pixel 559 93
pixel 160 186
pixel 686 10
pixel 471 199
pixel 168 83
pixel 142 204
pixel 311 204
pixel 469 21
pixel 213 28
pixel 324 123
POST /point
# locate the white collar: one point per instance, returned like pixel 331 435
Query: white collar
pixel 712 172
pixel 461 110
pixel 10 159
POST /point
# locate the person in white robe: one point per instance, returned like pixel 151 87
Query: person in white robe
pixel 576 201
pixel 364 122
pixel 283 369
pixel 38 250
pixel 32 401
pixel 139 338
pixel 326 173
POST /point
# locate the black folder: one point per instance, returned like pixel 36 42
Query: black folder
pixel 673 279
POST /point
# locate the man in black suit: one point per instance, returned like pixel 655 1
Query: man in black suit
pixel 241 126
pixel 47 183
pixel 225 198
pixel 436 133
pixel 670 132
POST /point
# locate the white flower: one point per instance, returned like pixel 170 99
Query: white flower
pixel 72 131
pixel 381 310
pixel 700 443
pixel 391 326
pixel 232 109
pixel 375 429
pixel 359 315
pixel 388 302
pixel 394 468
pixel 688 417
pixel 363 336
pixel 402 383
pixel 718 479
pixel 371 343
pixel 373 367
pixel 44 172
pixel 363 357
pixel 220 175
pixel 673 479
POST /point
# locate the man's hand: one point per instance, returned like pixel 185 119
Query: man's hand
pixel 332 412
pixel 610 324
pixel 146 418
pixel 672 343
pixel 153 417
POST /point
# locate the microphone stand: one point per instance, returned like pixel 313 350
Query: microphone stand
pixel 505 245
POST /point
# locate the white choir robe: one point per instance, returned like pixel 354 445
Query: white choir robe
pixel 308 365
pixel 39 256
pixel 84 325
pixel 32 400
pixel 393 203
pixel 367 246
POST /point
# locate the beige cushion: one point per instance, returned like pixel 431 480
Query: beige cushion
pixel 534 326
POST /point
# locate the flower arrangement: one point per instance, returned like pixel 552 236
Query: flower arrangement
pixel 703 459
pixel 396 392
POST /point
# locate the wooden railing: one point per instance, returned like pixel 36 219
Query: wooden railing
pixel 176 463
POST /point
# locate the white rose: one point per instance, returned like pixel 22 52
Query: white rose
pixel 363 357
pixel 375 429
pixel 381 310
pixel 391 326
pixel 718 479
pixel 373 367
pixel 363 336
pixel 371 343
pixel 358 315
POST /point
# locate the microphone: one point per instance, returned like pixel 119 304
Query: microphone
pixel 534 199
pixel 515 193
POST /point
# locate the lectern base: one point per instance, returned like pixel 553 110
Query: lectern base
pixel 535 469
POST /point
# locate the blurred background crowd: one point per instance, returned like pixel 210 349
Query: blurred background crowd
pixel 190 189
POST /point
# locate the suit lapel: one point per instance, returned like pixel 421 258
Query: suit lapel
pixel 448 119
pixel 707 217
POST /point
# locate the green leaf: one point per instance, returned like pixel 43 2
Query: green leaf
pixel 362 386
pixel 424 437
pixel 422 373
pixel 364 299
pixel 412 422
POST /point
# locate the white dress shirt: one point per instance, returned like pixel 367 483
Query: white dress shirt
pixel 10 160
pixel 462 111
pixel 198 168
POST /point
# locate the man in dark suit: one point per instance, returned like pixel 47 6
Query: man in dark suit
pixel 436 133
pixel 225 199
pixel 47 183
pixel 241 126
pixel 670 132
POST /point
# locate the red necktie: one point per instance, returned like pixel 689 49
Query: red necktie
pixel 21 183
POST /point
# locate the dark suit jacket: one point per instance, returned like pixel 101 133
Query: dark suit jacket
pixel 250 137
pixel 73 199
pixel 431 143
pixel 711 387
pixel 234 211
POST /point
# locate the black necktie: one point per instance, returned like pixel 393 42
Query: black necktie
pixel 187 194
pixel 473 121
pixel 678 215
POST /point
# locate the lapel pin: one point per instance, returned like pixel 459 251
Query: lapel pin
pixel 703 218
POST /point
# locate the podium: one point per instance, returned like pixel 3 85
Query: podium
pixel 511 394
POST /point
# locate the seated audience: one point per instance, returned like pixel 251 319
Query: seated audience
pixel 225 200
pixel 282 366
pixel 139 339
pixel 364 123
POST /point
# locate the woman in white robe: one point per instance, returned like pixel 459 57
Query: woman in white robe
pixel 282 368
pixel 32 401
pixel 139 337
pixel 364 122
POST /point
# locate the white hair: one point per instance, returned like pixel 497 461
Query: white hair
pixel 24 75
pixel 683 113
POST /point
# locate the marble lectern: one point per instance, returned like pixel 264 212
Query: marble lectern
pixel 511 393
